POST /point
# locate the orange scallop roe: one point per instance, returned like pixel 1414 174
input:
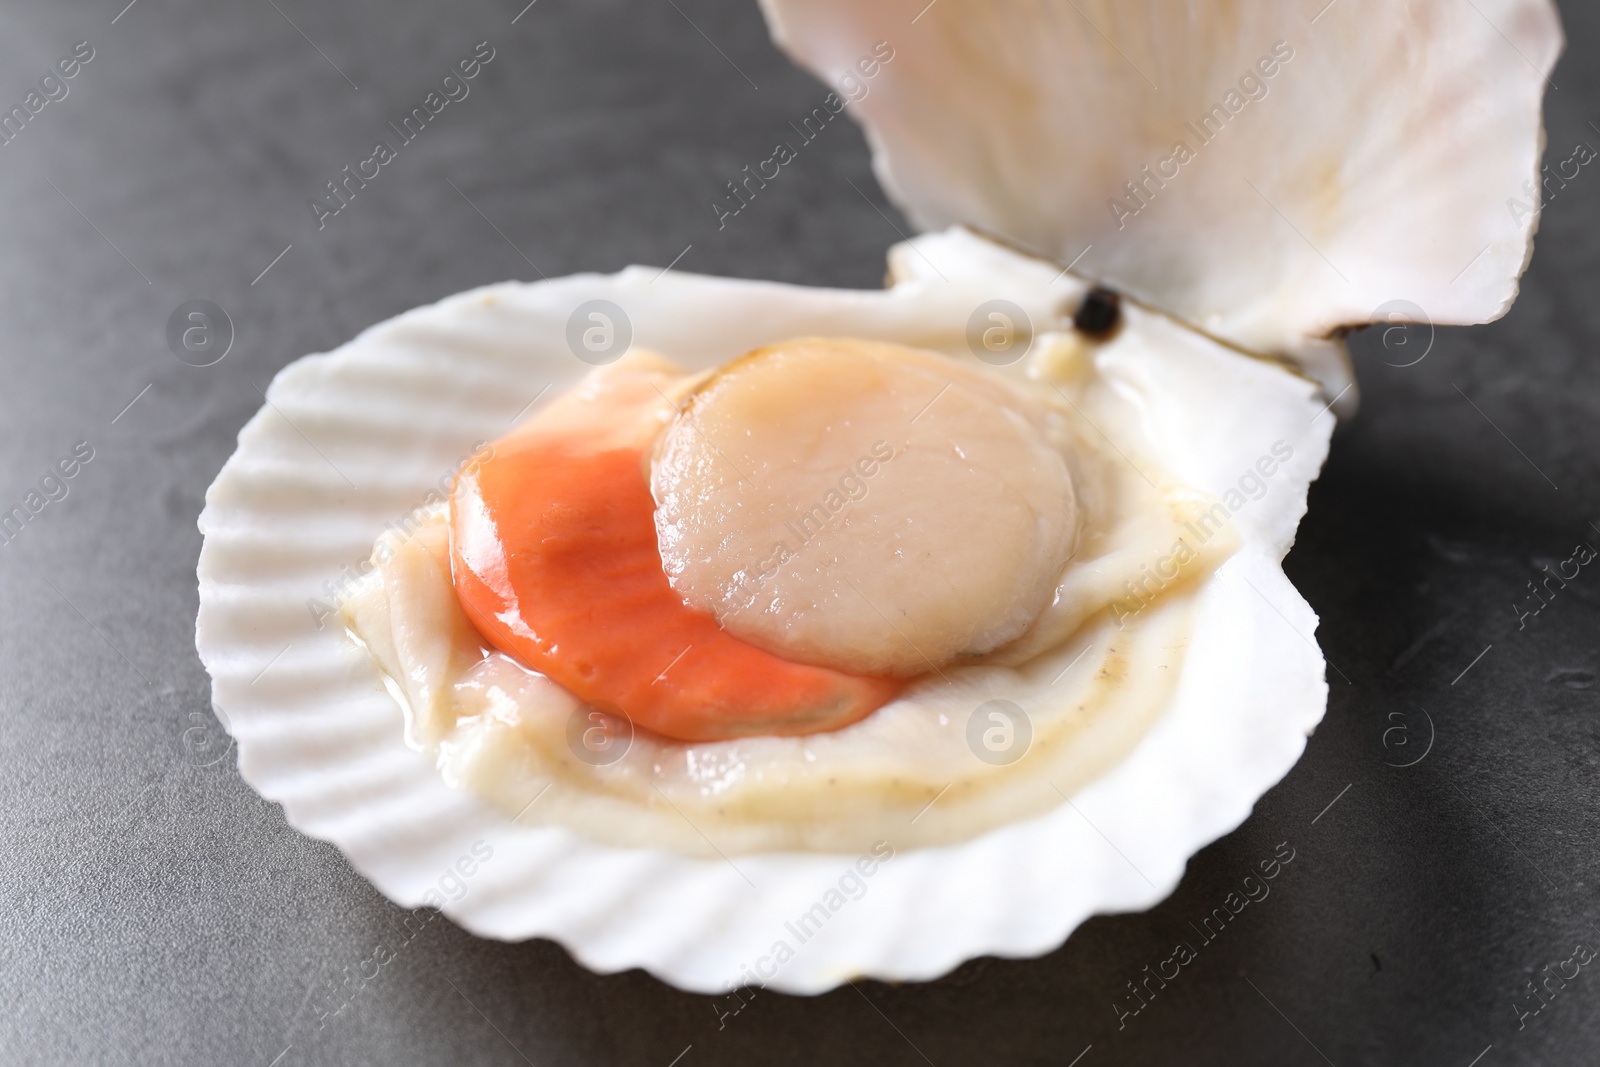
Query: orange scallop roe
pixel 554 559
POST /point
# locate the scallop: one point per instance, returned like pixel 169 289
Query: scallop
pixel 863 505
pixel 1049 577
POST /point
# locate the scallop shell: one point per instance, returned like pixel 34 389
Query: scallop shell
pixel 354 439
pixel 1387 170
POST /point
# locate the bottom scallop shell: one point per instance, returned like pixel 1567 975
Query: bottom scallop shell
pixel 353 440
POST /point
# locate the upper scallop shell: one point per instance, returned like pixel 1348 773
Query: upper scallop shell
pixel 1390 164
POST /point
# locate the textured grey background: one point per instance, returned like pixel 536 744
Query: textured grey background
pixel 154 909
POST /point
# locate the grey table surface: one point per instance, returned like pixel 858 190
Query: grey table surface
pixel 154 909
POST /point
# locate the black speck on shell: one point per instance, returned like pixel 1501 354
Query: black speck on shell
pixel 1100 313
